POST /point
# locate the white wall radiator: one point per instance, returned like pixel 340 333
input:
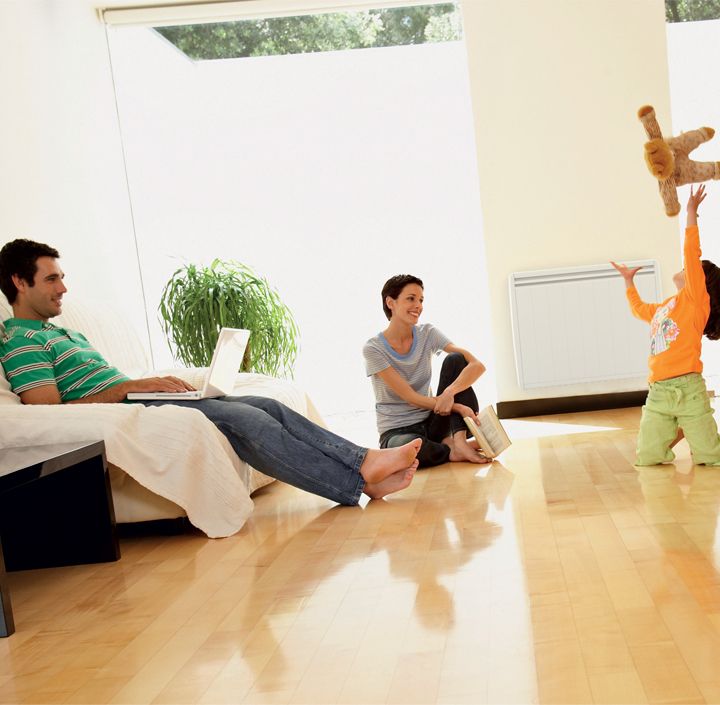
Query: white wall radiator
pixel 574 325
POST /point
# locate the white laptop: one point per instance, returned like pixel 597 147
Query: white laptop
pixel 220 376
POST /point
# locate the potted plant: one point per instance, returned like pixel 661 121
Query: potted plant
pixel 198 301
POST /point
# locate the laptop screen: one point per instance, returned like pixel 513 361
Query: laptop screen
pixel 227 358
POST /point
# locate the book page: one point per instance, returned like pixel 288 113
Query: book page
pixel 493 431
pixel 479 437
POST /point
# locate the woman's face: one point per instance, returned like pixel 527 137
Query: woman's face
pixel 409 304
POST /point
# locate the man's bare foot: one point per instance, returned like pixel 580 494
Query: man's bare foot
pixel 393 483
pixel 383 462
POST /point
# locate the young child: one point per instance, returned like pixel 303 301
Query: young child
pixel 678 397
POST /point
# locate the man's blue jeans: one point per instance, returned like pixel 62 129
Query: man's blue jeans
pixel 285 445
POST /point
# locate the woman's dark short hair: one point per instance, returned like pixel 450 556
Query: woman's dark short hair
pixel 712 284
pixel 19 258
pixel 394 286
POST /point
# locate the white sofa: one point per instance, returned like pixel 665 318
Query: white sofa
pixel 165 462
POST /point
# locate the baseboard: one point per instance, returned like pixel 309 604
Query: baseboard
pixel 566 405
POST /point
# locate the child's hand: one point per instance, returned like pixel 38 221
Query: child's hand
pixel 696 198
pixel 627 273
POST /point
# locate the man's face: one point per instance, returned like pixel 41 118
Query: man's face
pixel 43 299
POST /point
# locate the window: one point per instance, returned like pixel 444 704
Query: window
pixel 303 34
pixel 691 10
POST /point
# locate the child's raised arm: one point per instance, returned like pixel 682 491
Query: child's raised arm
pixel 694 201
pixel 638 307
pixel 627 273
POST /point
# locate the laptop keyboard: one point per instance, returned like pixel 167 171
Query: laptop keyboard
pixel 195 377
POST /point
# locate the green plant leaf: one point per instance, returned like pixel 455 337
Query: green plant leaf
pixel 197 301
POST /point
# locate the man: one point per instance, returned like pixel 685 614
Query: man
pixel 45 364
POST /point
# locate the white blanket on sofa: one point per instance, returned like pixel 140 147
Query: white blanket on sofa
pixel 174 452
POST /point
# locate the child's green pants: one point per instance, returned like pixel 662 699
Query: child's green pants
pixel 680 401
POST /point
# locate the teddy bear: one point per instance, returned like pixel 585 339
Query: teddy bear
pixel 669 162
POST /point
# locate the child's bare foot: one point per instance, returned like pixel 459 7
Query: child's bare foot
pixel 392 483
pixel 680 435
pixel 380 463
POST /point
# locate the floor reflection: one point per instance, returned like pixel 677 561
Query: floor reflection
pixel 433 584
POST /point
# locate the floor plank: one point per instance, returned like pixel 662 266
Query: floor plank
pixel 561 574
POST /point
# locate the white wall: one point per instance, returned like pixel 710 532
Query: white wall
pixel 326 172
pixel 62 179
pixel 693 53
pixel 556 86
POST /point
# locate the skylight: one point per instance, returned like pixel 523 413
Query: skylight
pixel 302 34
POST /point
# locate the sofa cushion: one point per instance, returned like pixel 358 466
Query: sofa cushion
pixel 109 332
pixel 7 396
pixel 5 311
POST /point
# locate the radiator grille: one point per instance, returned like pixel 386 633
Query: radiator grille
pixel 574 325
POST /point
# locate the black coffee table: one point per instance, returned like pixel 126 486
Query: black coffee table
pixel 55 509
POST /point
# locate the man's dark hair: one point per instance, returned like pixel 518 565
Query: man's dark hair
pixel 19 258
pixel 394 286
pixel 712 284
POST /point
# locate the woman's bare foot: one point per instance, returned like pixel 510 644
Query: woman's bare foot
pixel 392 483
pixel 463 452
pixel 383 462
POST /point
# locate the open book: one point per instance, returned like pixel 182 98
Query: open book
pixel 489 433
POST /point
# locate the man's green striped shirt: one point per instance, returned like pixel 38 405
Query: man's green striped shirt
pixel 36 353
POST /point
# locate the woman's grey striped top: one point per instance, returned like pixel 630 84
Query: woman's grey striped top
pixel 415 368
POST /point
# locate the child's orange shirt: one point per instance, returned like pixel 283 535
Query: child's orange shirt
pixel 677 324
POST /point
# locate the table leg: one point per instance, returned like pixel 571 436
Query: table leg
pixel 7 624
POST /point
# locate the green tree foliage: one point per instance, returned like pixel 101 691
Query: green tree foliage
pixel 691 10
pixel 444 28
pixel 320 32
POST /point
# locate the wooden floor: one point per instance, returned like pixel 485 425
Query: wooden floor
pixel 560 575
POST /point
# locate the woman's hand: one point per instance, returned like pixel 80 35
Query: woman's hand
pixel 444 403
pixel 465 411
pixel 627 273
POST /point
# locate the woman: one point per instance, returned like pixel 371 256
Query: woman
pixel 399 362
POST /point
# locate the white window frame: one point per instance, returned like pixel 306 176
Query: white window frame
pixel 206 12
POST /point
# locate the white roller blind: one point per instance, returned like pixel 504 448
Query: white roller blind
pixel 199 12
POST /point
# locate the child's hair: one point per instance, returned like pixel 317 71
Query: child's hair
pixel 712 284
pixel 394 286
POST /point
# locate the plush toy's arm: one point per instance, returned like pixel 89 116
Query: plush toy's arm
pixel 646 114
pixel 687 141
pixel 660 161
pixel 688 171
